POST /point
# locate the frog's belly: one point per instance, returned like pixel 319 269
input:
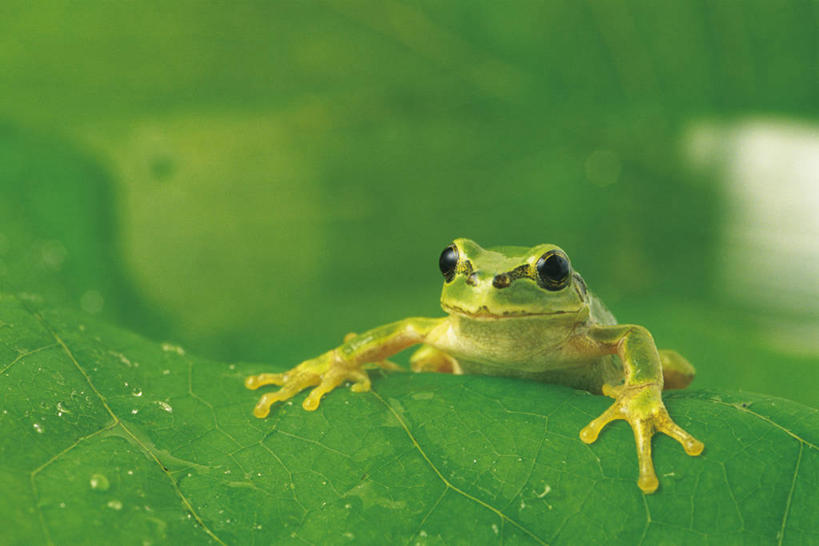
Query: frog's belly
pixel 587 375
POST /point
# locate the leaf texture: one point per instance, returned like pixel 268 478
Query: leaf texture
pixel 107 437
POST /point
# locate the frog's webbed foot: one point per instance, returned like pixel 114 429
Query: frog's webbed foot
pixel 345 363
pixel 643 408
pixel 325 373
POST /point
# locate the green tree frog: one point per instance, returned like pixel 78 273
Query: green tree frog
pixel 520 312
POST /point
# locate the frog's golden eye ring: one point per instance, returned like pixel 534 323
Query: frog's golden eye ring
pixel 448 262
pixel 553 270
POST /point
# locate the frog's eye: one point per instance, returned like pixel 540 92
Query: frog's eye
pixel 553 270
pixel 448 262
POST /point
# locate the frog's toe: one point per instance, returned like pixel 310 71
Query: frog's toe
pixel 328 382
pixel 361 381
pixel 691 445
pixel 590 432
pixel 331 380
pixel 648 482
pixel 253 382
pixel 294 383
pixel 643 431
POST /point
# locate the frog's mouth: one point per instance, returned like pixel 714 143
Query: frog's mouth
pixel 483 312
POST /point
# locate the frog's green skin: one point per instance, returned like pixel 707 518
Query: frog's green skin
pixel 506 318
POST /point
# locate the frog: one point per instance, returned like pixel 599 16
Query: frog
pixel 521 312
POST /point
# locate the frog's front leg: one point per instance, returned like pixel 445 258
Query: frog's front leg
pixel 638 400
pixel 344 363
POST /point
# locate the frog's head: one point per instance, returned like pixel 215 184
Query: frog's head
pixel 509 282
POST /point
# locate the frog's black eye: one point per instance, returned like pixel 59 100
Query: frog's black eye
pixel 553 270
pixel 448 262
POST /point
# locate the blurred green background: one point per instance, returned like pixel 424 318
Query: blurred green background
pixel 254 180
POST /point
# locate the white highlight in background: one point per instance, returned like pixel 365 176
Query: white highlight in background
pixel 769 244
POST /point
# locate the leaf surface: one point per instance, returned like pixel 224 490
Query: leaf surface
pixel 106 437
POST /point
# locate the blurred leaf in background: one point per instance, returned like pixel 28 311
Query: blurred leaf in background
pixel 256 179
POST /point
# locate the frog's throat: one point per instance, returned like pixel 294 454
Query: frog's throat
pixel 483 312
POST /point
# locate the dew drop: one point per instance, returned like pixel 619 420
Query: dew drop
pixel 115 504
pixel 62 409
pixel 99 483
pixel 166 372
pixel 39 428
pixel 134 411
pixel 165 406
pixel 136 392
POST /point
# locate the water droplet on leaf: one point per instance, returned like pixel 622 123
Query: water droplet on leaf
pixel 99 482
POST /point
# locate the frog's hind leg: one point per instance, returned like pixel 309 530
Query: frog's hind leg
pixel 677 371
pixel 430 359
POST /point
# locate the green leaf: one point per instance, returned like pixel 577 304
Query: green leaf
pixel 105 437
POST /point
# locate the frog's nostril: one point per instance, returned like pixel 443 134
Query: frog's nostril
pixel 472 280
pixel 501 281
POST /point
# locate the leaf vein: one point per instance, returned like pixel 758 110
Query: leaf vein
pixel 443 478
pixel 26 354
pixel 767 420
pixel 790 496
